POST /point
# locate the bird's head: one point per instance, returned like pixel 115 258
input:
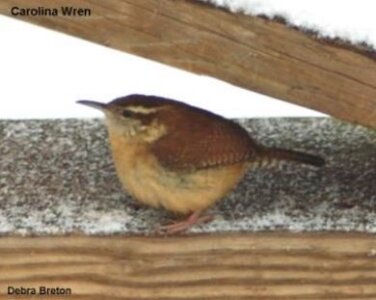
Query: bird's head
pixel 134 116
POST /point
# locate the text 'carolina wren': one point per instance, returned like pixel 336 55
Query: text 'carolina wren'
pixel 183 158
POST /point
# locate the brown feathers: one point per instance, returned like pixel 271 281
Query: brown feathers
pixel 194 138
pixel 198 139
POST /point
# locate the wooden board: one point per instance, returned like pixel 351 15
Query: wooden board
pixel 260 55
pixel 232 266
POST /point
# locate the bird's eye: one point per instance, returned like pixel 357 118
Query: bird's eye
pixel 127 113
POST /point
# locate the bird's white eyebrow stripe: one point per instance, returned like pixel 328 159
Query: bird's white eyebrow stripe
pixel 142 109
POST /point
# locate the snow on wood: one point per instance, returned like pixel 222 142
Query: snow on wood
pixel 350 20
pixel 56 176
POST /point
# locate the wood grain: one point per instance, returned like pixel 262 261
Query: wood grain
pixel 232 266
pixel 251 52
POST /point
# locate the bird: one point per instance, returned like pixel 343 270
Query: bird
pixel 182 158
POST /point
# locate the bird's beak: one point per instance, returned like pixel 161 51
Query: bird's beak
pixel 93 104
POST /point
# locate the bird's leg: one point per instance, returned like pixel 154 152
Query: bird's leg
pixel 181 226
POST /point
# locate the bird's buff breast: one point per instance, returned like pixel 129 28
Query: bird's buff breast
pixel 182 192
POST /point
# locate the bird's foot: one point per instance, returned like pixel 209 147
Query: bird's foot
pixel 181 226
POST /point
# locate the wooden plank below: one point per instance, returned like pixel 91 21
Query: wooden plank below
pixel 251 52
pixel 232 266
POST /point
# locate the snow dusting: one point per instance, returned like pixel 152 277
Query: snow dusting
pixel 352 21
pixel 57 177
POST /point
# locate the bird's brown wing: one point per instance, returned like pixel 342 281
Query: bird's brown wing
pixel 197 139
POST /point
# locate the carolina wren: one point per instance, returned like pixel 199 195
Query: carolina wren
pixel 183 158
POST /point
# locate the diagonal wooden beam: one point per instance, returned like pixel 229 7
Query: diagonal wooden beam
pixel 251 52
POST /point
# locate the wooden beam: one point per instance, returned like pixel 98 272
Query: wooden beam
pixel 251 52
pixel 237 266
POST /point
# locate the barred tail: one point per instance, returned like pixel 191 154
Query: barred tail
pixel 291 155
pixel 269 157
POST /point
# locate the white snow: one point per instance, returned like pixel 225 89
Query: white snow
pixel 56 70
pixel 351 20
